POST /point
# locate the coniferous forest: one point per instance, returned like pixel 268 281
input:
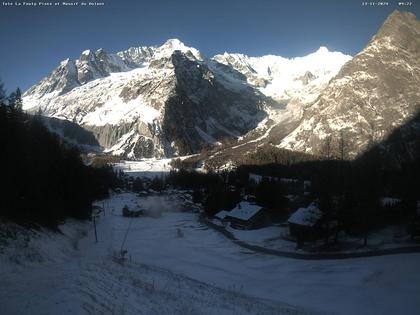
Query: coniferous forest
pixel 348 192
pixel 43 179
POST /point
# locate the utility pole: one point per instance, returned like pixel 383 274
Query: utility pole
pixel 94 226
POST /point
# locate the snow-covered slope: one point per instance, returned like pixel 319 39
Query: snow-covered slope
pixel 90 66
pixel 372 95
pixel 200 273
pixel 46 273
pixel 169 100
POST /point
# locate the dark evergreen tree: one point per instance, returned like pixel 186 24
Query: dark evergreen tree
pixel 18 100
pixel 44 179
pixel 2 94
pixel 138 185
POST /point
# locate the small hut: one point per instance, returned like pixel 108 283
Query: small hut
pixel 304 223
pixel 247 216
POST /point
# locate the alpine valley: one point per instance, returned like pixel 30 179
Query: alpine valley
pixel 172 101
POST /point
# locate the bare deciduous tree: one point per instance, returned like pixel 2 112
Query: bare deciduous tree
pixel 326 149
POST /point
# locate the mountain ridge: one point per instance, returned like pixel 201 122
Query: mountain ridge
pixel 144 81
pixel 171 100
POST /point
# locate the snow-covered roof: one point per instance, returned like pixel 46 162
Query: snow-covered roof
pixel 389 202
pixel 244 211
pixel 221 214
pixel 306 216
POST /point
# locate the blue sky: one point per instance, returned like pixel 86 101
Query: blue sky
pixel 35 39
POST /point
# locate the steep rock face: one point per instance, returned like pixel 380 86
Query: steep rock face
pixel 243 65
pixel 374 93
pixel 204 109
pixel 136 56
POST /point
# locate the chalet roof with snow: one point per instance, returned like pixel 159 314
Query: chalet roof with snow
pixel 244 211
pixel 306 216
pixel 221 214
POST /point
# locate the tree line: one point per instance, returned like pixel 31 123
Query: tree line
pixel 43 179
pixel 348 192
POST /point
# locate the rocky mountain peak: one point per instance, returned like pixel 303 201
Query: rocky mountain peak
pixel 322 50
pixel 172 45
pixel 373 94
pixel 397 40
pixel 307 77
pixel 136 56
pixel 101 53
pixel 85 55
pixel 397 22
pixel 398 30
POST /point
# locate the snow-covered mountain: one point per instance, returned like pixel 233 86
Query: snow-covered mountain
pixel 283 79
pixel 372 95
pixel 169 100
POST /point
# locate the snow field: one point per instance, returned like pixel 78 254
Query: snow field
pixel 72 274
pixel 200 272
pixel 376 285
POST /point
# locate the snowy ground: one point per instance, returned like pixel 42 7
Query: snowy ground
pixel 47 273
pixel 277 237
pixel 271 237
pixel 148 168
pixel 199 273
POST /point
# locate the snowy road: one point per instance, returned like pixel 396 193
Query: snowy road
pixel 199 273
